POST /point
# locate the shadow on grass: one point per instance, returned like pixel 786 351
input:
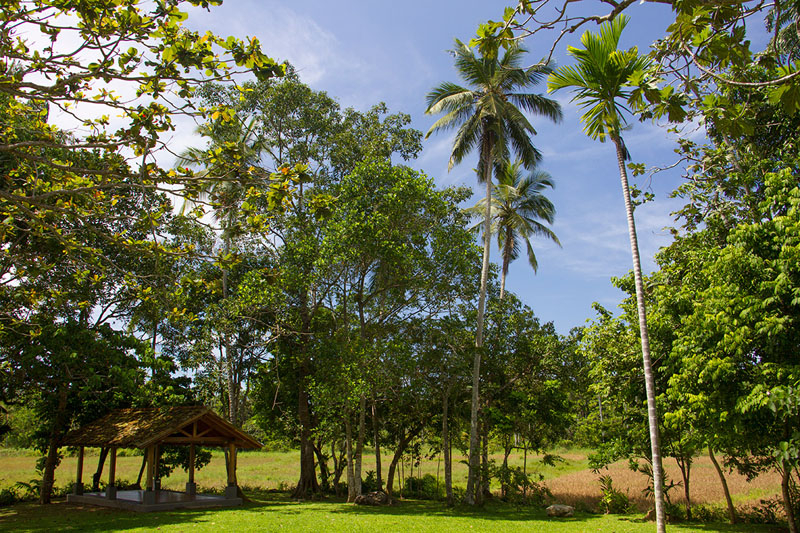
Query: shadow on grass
pixel 272 505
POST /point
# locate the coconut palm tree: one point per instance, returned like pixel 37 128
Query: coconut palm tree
pixel 517 205
pixel 228 163
pixel 489 117
pixel 600 81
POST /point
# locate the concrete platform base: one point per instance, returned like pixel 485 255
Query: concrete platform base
pixel 161 500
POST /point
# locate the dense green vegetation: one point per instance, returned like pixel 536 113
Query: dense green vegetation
pixel 295 272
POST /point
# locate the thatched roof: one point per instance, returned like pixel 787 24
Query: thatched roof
pixel 143 427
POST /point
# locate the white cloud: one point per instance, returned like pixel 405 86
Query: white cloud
pixel 283 33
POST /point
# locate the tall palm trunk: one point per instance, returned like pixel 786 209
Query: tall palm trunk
pixel 509 245
pixel 476 367
pixel 652 412
pixel 232 397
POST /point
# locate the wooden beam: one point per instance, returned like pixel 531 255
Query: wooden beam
pixel 201 441
pixel 204 432
pixel 79 474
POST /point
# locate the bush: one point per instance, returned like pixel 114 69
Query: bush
pixel 370 484
pixel 708 513
pixel 770 511
pixel 613 501
pixel 8 497
pixel 424 488
pixel 520 487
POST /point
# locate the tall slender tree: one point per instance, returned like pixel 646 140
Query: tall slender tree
pixel 517 205
pixel 601 83
pixel 230 162
pixel 489 116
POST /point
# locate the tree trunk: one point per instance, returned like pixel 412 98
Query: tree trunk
pixel 232 407
pixel 322 461
pixel 48 476
pixel 476 367
pixel 788 506
pixel 485 481
pixel 141 471
pixel 525 467
pixel 685 466
pixel 375 437
pixel 652 412
pixel 506 452
pixel 351 476
pixel 405 440
pixel 51 459
pixel 509 245
pixel 362 408
pixel 339 465
pixel 448 471
pixel 728 499
pixel 101 461
pixel 307 484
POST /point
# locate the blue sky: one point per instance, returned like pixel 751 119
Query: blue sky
pixel 364 52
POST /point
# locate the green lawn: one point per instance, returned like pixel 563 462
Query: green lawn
pixel 276 512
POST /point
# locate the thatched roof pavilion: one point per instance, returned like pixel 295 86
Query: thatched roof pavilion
pixel 148 429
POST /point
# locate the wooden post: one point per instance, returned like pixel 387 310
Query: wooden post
pixel 111 489
pixel 156 469
pixel 191 463
pixel 79 475
pixel 232 490
pixel 191 487
pixel 231 464
pixel 149 494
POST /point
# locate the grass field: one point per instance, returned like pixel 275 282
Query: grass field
pixel 264 470
pixel 264 474
pixel 276 512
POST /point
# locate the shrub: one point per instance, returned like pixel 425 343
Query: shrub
pixel 708 513
pixel 613 501
pixel 8 497
pixel 520 487
pixel 370 484
pixel 770 511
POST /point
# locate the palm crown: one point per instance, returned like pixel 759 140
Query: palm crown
pixel 517 206
pixel 600 79
pixel 489 115
pixel 230 159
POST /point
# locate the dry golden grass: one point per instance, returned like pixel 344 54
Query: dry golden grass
pixel 704 485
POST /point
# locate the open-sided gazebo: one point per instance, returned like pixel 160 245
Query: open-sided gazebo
pixel 148 429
